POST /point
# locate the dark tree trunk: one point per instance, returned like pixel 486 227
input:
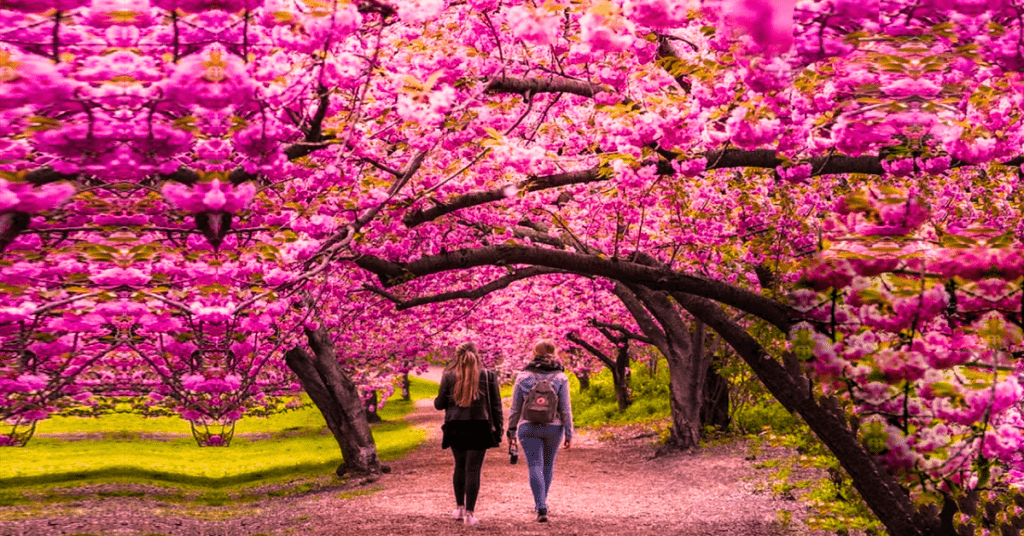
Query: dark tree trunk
pixel 406 394
pixel 715 409
pixel 686 377
pixel 619 367
pixel 620 377
pixel 584 378
pixel 371 409
pixel 337 397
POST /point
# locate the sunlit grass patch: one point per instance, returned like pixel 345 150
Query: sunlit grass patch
pixel 295 444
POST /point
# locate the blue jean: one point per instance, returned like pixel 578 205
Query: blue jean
pixel 540 444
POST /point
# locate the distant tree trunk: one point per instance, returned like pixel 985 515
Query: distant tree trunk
pixel 620 375
pixel 337 398
pixel 619 367
pixel 371 409
pixel 584 378
pixel 406 393
pixel 715 409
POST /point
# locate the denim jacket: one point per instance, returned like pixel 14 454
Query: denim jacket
pixel 524 382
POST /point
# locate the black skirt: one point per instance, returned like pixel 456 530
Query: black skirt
pixel 467 435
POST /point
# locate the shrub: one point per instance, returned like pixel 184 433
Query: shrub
pixel 597 405
pixel 753 419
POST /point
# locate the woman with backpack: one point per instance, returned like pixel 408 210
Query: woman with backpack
pixel 473 421
pixel 541 413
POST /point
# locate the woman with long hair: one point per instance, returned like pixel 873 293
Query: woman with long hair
pixel 541 436
pixel 471 402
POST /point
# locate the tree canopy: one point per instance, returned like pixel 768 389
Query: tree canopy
pixel 191 190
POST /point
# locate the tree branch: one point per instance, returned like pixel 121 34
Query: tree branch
pixel 623 330
pixel 572 337
pixel 666 50
pixel 472 294
pixel 416 217
pixel 533 86
pixel 727 159
pixel 641 315
pixel 655 278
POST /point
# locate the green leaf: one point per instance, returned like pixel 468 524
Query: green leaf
pixel 870 295
pixel 944 389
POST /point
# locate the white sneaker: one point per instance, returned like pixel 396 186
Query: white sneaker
pixel 471 519
pixel 458 513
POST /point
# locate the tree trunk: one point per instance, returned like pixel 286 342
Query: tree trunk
pixel 660 321
pixel 686 379
pixel 337 397
pixel 714 407
pixel 714 411
pixel 371 409
pixel 584 378
pixel 620 377
pixel 406 393
pixel 879 489
pixel 685 398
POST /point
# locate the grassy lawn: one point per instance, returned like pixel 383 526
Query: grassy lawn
pixel 297 443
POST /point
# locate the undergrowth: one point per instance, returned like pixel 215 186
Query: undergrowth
pixel 833 503
pixel 596 405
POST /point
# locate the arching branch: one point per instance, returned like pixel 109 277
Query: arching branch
pixel 727 159
pixel 622 330
pixel 879 489
pixel 471 294
pixel 416 217
pixel 391 274
pixel 593 350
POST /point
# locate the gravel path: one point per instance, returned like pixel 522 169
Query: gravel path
pixel 600 487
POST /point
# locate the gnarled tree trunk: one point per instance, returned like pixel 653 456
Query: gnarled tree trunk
pixel 686 377
pixel 338 399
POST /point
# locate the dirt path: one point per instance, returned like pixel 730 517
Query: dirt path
pixel 600 487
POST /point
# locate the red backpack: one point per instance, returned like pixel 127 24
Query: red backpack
pixel 541 404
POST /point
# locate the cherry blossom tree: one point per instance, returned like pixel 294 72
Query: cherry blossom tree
pixel 206 207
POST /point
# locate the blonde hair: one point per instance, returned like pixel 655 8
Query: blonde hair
pixel 544 348
pixel 467 374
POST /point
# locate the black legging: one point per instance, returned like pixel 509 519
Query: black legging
pixel 466 478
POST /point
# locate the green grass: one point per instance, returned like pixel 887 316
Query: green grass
pixel 306 417
pixel 597 405
pixel 752 419
pixel 298 444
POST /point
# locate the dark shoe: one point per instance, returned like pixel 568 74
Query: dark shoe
pixel 542 515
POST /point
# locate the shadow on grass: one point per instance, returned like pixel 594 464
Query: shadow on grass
pixel 128 474
pixel 275 441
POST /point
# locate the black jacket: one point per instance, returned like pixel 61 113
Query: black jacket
pixel 479 409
